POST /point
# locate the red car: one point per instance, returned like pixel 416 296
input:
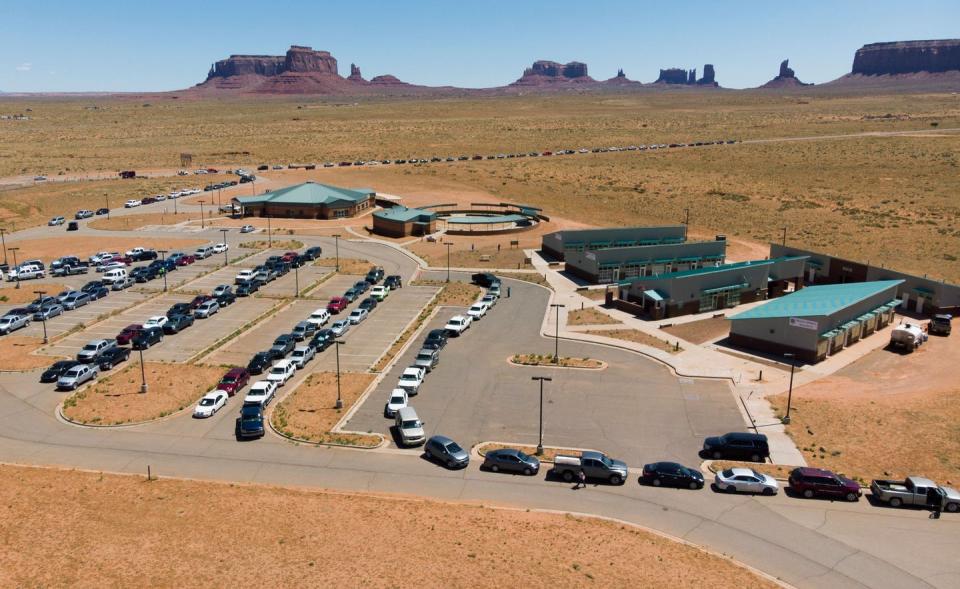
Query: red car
pixel 129 332
pixel 212 171
pixel 337 304
pixel 125 259
pixel 234 380
pixel 185 260
pixel 289 256
pixel 199 300
pixel 812 482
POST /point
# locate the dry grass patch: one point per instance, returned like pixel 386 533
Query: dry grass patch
pixel 638 337
pixel 71 528
pixel 549 360
pixel 25 294
pixel 436 255
pixel 134 222
pixel 594 294
pixel 309 412
pixel 777 471
pixel 534 277
pixel 116 399
pixel 358 266
pixel 453 293
pixel 262 244
pixel 50 248
pixel 589 317
pixel 17 353
pixel 549 452
pixel 701 331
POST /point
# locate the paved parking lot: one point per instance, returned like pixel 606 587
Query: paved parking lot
pixel 286 285
pixel 84 315
pixel 239 351
pixel 635 409
pixel 182 275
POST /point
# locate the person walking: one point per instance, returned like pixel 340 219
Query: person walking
pixel 581 480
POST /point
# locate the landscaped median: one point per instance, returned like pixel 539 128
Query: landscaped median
pixel 549 452
pixel 550 361
pixel 589 316
pixel 17 353
pixel 638 337
pixel 116 398
pixel 262 244
pixel 309 413
pixel 357 266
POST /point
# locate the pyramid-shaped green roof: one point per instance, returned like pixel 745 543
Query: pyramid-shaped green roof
pixel 309 193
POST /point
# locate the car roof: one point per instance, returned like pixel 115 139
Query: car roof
pixel 509 451
pixel 741 471
pixel 442 439
pixel 412 369
pixel 744 436
pixel 214 394
pixel 236 370
pixel 810 471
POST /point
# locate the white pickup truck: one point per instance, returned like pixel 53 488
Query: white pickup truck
pixel 916 491
pixel 27 272
pixel 458 324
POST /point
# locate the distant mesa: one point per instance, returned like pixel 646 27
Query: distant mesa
pixel 786 78
pixel 907 57
pixel 682 77
pixel 550 73
pixel 355 74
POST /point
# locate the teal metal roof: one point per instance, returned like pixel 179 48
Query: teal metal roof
pixel 653 295
pixel 719 289
pixel 485 219
pixel 818 300
pixel 405 215
pixel 308 193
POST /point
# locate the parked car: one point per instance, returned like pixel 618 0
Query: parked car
pixel 48 311
pixel 210 403
pixel 303 330
pixel 361 287
pixel 91 352
pixel 814 482
pixel 671 474
pixel 409 426
pixel 436 339
pixel 484 279
pixel 247 229
pixel 312 253
pixel 745 480
pixel 411 378
pixel 427 359
pixel 248 288
pixel 261 393
pixel 250 422
pixel 380 292
pixel 940 324
pixel 301 355
pixel 374 275
pixel 322 340
pixel 103 211
pixel 147 338
pixel 319 317
pixel 393 282
pixel 368 304
pixel 177 323
pixel 477 311
pixel 226 299
pixel 25 272
pixel 737 446
pixel 206 309
pixel 131 203
pixel 351 295
pixel 358 315
pixel 76 376
pixel 112 356
pixel 337 304
pixel 128 333
pixel 916 491
pixel 282 346
pixel 244 276
pixel 122 283
pixel 446 451
pixel 57 369
pixel 595 465
pixel 340 328
pixel 156 321
pixel 260 362
pixel 56 221
pixel 511 460
pixel 458 324
pixel 235 379
pixel 398 400
pixel 222 289
pixel 179 309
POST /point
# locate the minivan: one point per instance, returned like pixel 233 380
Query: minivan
pixel 410 427
pixel 203 252
pixel 737 446
pixel 115 275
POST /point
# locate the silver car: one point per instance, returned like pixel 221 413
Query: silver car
pixel 745 480
pixel 48 311
pixel 76 376
pixel 206 309
pixel 75 300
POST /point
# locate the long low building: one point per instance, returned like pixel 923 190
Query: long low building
pixel 711 288
pixel 310 200
pixel 622 263
pixel 559 243
pixel 401 221
pixel 817 321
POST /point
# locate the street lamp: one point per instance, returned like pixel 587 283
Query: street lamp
pixel 225 259
pixel 43 316
pixel 786 418
pixel 269 235
pixel 541 379
pixel 336 247
pixel 3 243
pixel 143 375
pixel 296 278
pixel 556 339
pixel 219 202
pixel 201 214
pixel 449 245
pixel 338 343
pixel 163 254
pixel 15 250
pixel 784 236
pixel 106 203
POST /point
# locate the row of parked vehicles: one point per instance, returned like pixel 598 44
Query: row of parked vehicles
pixel 249 281
pixel 293 351
pixel 149 200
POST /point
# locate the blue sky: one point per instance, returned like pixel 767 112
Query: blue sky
pixel 48 45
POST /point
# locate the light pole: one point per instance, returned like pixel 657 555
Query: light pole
pixel 201 214
pixel 449 245
pixel 15 250
pixel 106 203
pixel 43 316
pixel 163 254
pixel 336 247
pixel 3 243
pixel 219 202
pixel 225 259
pixel 269 236
pixel 296 278
pixel 540 443
pixel 786 418
pixel 143 375
pixel 175 211
pixel 556 339
pixel 784 236
pixel 338 343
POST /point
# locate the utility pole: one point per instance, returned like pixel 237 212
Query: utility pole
pixel 43 316
pixel 106 203
pixel 201 214
pixel 163 254
pixel 15 250
pixel 296 278
pixel 784 236
pixel 540 443
pixel 3 243
pixel 336 243
pixel 225 259
pixel 686 216
pixel 338 343
pixel 556 349
pixel 786 418
pixel 269 235
pixel 143 375
pixel 449 245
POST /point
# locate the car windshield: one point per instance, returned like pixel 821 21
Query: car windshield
pixel 424 356
pixel 206 402
pixel 257 393
pixel 411 424
pixel 90 347
pixel 396 399
pixel 522 456
pixel 73 372
pixel 606 461
pixel 278 370
pixel 727 473
pixel 228 380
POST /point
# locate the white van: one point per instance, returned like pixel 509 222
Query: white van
pixel 410 427
pixel 203 252
pixel 319 317
pixel 115 275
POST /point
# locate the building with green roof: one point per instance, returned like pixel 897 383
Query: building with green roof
pixel 401 221
pixel 310 200
pixel 817 321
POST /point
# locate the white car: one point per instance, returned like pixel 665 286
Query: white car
pixel 281 372
pixel 301 355
pixel 319 317
pixel 107 266
pixel 380 292
pixel 397 401
pixel 458 324
pixel 357 315
pixel 247 229
pixel 261 393
pixel 411 379
pixel 156 321
pixel 244 276
pixel 490 300
pixel 477 310
pixel 340 327
pixel 745 480
pixel 219 248
pixel 210 403
pixel 132 203
pixel 100 257
pixel 133 253
pixel 494 290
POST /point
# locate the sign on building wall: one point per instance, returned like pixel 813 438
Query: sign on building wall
pixel 804 323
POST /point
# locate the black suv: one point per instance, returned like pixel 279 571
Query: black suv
pixel 368 303
pixel 393 281
pixel 737 446
pixel 374 275
pixel 55 371
pixel 311 253
pixel 179 309
pixel 250 422
pixel 322 340
pixel 113 356
pixel 436 339
pixel 671 474
pixel 248 288
pixel 147 338
pixel 226 298
pixel 484 279
pixel 259 362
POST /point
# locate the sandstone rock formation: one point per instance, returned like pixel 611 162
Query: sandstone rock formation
pixel 355 74
pixel 709 76
pixel 683 77
pixel 907 57
pixel 786 78
pixel 550 72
